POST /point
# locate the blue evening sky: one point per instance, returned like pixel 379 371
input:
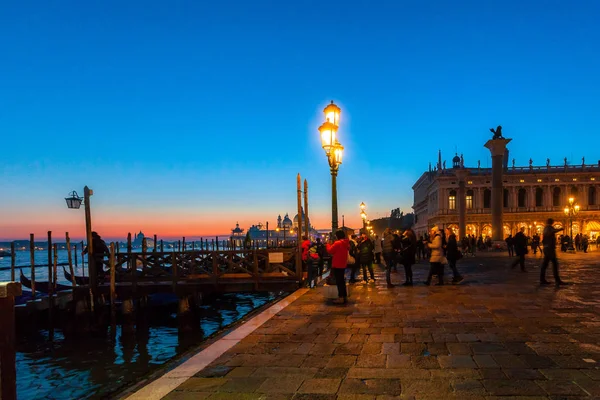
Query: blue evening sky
pixel 203 112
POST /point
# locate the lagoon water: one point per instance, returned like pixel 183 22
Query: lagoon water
pixel 93 367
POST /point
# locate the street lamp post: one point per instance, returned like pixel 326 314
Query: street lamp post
pixel 363 214
pixel 571 210
pixel 334 151
pixel 74 202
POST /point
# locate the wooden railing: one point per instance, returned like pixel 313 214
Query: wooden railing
pixel 8 374
pixel 209 266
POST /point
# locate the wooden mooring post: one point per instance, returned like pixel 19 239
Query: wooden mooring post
pixel 12 261
pixel 8 370
pixel 71 271
pixel 113 294
pixel 32 260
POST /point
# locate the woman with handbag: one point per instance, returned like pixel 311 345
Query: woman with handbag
pixel 339 260
pixel 437 259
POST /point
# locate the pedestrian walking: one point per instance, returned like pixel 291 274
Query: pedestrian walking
pixel 520 249
pixel 407 255
pixel 365 255
pixel 510 244
pixel 436 260
pixel 339 251
pixel 389 256
pixel 549 243
pixel 378 249
pixel 453 254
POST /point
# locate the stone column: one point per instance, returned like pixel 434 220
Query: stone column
pixel 461 174
pixel 497 148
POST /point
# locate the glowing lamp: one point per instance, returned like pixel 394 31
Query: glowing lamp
pixel 73 201
pixel 363 215
pixel 566 211
pixel 571 200
pixel 328 136
pixel 338 152
pixel 363 205
pixel 332 113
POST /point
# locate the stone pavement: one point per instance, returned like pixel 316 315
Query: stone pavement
pixel 499 335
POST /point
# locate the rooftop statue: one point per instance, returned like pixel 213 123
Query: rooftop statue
pixel 497 133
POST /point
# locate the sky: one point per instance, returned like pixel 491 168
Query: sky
pixel 186 117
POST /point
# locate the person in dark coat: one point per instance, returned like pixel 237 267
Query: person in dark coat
pixel 365 256
pixel 510 244
pixel 520 244
pixel 549 243
pixel 453 255
pixel 407 255
pixel 100 249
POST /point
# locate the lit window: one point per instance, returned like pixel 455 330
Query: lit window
pixel 521 180
pixel 592 179
pixel 574 179
pixel 452 200
pixel 470 182
pixel 556 180
pixel 469 202
pixel 539 180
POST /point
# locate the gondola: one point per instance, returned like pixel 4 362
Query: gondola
pixel 79 280
pixel 41 286
pixel 4 253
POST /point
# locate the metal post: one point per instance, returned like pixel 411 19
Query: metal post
pixel 334 206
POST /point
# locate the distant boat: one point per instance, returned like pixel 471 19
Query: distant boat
pixel 41 286
pixel 4 253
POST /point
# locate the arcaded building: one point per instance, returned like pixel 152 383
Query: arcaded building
pixel 531 195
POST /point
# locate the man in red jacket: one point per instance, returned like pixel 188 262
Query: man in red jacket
pixel 339 251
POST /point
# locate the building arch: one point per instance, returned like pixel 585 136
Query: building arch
pixel 486 230
pixel 506 230
pixel 453 228
pixel 471 229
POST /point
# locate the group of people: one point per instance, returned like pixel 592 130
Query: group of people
pixel 517 246
pixel 358 254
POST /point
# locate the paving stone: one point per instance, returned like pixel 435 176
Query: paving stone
pixel 457 361
pixel 241 372
pixel 590 386
pixel 424 362
pixel 349 349
pixel 185 395
pixel 502 387
pixel 242 385
pixel 390 348
pixel 236 396
pixel 537 361
pixel 485 361
pixel 202 384
pixel 371 360
pixel 353 396
pixel 459 348
pixel 332 373
pixel 488 348
pixel 214 372
pixel 398 361
pixel 427 389
pixel 561 387
pixel 532 374
pixel 341 361
pixel 371 386
pixel 313 396
pixel 283 384
pixel 320 385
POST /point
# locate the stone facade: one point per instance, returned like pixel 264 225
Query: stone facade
pixel 531 195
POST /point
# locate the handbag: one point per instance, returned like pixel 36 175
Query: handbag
pixel 350 260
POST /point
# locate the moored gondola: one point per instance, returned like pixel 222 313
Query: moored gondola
pixel 41 286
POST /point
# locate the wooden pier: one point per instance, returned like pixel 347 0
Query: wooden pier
pixel 138 274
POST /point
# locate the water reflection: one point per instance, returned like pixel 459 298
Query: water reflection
pixel 94 366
